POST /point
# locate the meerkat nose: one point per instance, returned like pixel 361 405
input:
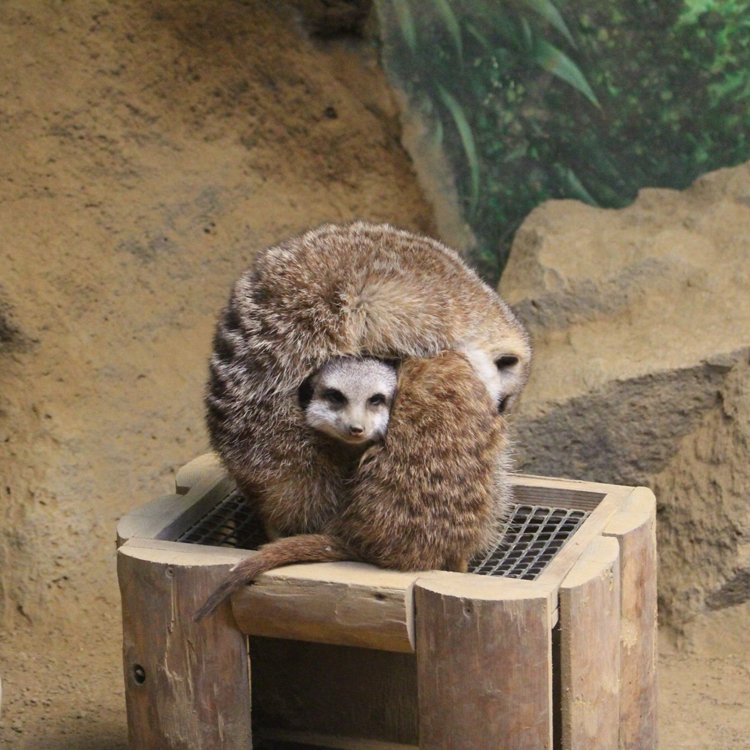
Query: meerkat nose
pixel 355 429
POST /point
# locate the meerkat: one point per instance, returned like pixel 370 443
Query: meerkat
pixel 339 290
pixel 430 495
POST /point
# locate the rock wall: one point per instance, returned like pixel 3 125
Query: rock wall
pixel 641 326
pixel 148 149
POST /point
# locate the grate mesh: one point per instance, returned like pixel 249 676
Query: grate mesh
pixel 232 522
pixel 530 539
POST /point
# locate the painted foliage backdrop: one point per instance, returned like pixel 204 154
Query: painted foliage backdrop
pixel 538 99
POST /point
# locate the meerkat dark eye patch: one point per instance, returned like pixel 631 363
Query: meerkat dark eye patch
pixel 334 397
pixel 376 400
pixel 506 361
pixel 305 392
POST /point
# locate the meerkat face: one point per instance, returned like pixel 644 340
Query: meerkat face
pixel 503 375
pixel 351 399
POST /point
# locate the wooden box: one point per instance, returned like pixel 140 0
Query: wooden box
pixel 557 649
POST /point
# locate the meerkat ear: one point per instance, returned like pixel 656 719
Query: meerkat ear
pixel 512 372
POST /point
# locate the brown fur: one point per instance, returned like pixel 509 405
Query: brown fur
pixel 337 290
pixel 432 494
pixel 429 497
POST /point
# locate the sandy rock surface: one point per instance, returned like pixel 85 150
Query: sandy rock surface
pixel 148 148
pixel 659 286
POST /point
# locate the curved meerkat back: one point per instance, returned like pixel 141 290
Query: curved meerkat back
pixel 335 291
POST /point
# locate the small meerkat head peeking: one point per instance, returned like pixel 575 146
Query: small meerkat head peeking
pixel 349 399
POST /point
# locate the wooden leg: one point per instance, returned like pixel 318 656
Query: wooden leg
pixel 484 664
pixel 186 684
pixel 590 649
pixel 634 527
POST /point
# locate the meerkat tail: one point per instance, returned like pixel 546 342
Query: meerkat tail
pixel 285 551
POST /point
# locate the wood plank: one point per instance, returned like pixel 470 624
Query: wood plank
pixel 354 604
pixel 342 603
pixel 484 665
pixel 181 553
pixel 186 684
pixel 563 483
pixel 207 464
pixel 634 527
pixel 488 682
pixel 590 649
pixel 148 520
pixel 349 604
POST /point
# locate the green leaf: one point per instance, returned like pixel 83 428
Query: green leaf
pixel 467 140
pixel 547 10
pixel 437 136
pixel 577 189
pixel 519 152
pixel 446 13
pixel 406 23
pixel 528 35
pixel 560 65
pixel 481 38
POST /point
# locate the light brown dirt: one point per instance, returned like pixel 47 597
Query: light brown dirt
pixel 146 150
pixel 704 685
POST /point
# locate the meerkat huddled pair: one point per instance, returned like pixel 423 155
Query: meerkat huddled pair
pixel 315 326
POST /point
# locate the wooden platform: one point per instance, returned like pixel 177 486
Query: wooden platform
pixel 345 655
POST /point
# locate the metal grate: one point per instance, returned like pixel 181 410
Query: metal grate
pixel 530 539
pixel 232 522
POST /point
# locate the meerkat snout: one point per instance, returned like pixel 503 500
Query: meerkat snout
pixel 350 399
